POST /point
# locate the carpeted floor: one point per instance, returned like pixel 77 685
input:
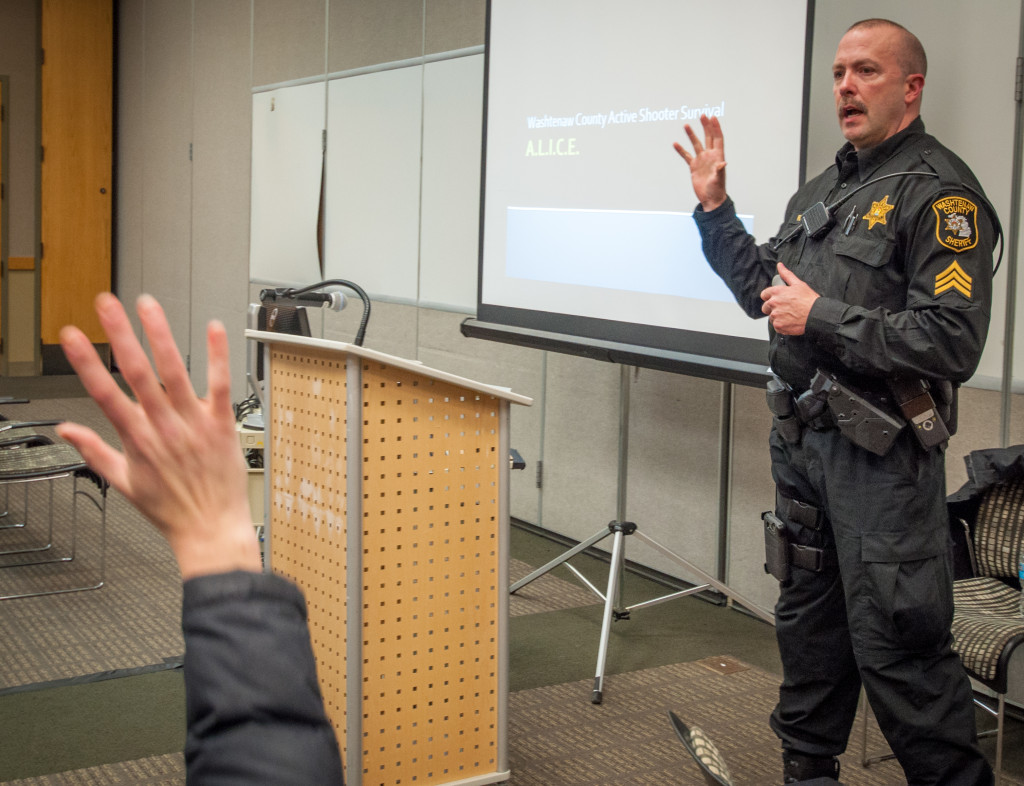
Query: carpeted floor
pixel 547 593
pixel 557 738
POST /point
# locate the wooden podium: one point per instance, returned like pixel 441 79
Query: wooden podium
pixel 408 607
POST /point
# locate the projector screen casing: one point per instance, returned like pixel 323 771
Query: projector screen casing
pixel 583 100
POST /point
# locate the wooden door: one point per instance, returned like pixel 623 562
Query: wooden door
pixel 3 228
pixel 77 134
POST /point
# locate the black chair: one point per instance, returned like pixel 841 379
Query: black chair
pixel 26 457
pixel 987 620
pixel 15 434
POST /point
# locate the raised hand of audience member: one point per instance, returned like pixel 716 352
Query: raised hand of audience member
pixel 180 462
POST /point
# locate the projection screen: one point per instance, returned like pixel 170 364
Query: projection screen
pixel 587 239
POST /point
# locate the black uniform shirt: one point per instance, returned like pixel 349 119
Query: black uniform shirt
pixel 904 273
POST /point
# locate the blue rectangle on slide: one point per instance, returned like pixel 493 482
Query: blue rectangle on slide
pixel 636 251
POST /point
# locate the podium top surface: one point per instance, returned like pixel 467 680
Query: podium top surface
pixel 390 360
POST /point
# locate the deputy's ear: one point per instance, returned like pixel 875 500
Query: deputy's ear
pixel 914 86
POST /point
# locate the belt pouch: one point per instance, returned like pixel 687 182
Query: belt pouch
pixel 780 403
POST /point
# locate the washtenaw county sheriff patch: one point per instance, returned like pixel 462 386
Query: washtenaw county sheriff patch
pixel 954 277
pixel 956 223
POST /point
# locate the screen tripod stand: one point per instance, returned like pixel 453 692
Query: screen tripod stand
pixel 619 530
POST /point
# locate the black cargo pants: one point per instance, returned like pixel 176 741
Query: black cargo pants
pixel 881 617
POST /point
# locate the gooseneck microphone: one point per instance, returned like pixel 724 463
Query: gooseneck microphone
pixel 335 300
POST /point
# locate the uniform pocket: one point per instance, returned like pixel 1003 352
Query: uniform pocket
pixel 870 251
pixel 862 264
pixel 908 573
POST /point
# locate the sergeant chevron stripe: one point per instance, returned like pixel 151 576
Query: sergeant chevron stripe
pixel 953 277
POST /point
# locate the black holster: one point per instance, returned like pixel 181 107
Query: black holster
pixel 776 547
pixel 861 421
pixel 781 553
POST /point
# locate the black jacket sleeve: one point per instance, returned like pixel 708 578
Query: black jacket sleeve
pixel 745 267
pixel 254 709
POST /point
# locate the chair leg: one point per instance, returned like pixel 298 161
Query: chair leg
pixel 999 738
pixel 864 729
pixel 865 760
pixel 999 713
pixel 24 525
pixel 101 506
pixel 7 509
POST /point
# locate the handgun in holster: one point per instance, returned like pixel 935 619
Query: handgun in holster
pixel 919 407
pixel 859 420
pixel 776 547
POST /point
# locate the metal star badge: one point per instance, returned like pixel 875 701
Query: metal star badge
pixel 876 215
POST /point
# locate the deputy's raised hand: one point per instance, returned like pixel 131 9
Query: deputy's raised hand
pixel 706 162
pixel 182 464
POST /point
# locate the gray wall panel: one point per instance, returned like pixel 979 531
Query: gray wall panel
pixel 751 492
pixel 454 24
pixel 392 328
pixel 221 155
pixel 1017 420
pixel 581 437
pixel 289 40
pixel 673 468
pixel 167 172
pixel 131 151
pixel 367 33
pixel 344 325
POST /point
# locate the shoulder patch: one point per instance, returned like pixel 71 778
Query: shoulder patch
pixel 956 223
pixel 954 277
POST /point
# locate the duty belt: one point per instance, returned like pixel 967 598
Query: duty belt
pixel 862 418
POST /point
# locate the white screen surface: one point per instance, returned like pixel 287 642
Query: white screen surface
pixel 587 208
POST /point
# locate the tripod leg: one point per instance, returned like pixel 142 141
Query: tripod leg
pixel 596 538
pixel 614 573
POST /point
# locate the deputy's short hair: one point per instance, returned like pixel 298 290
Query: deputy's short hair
pixel 911 56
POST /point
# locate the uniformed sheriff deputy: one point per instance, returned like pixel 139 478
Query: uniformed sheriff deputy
pixel 878 293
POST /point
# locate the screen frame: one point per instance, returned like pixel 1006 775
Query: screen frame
pixel 708 355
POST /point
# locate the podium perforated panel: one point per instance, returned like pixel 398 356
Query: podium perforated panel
pixel 428 676
pixel 307 475
pixel 430 567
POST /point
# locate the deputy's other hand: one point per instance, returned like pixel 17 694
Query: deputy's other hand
pixel 788 304
pixel 706 162
pixel 181 463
